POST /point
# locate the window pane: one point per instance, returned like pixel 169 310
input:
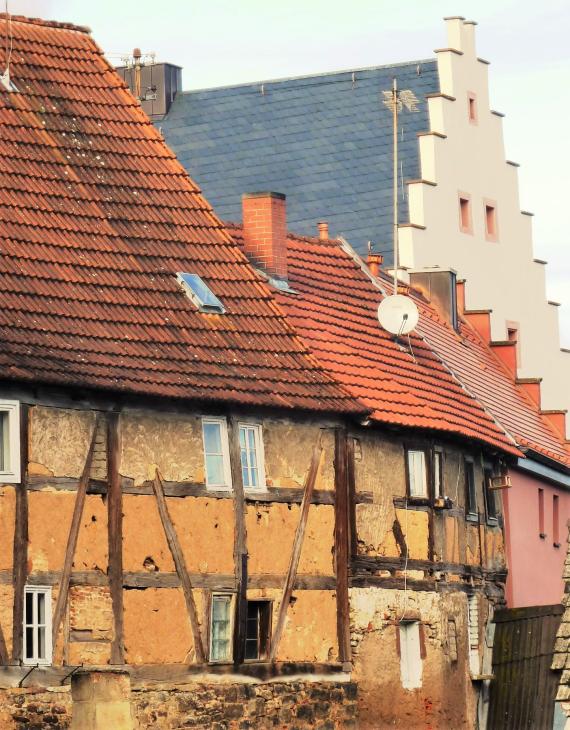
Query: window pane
pixel 212 437
pixel 29 652
pixel 417 471
pixel 214 469
pixel 41 608
pixel 41 643
pixel 4 442
pixel 437 474
pixel 221 628
pixel 29 615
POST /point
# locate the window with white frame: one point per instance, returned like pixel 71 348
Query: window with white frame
pixel 251 449
pixel 411 664
pixel 37 625
pixel 438 490
pixel 216 453
pixel 9 441
pixel 417 473
pixel 473 635
pixel 221 628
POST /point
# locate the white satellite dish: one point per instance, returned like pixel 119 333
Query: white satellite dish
pixel 398 314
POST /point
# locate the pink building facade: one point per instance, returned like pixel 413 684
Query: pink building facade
pixel 536 510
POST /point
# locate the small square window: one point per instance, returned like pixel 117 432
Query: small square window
pixel 417 473
pixel 491 228
pixel 258 630
pixel 221 628
pixel 471 510
pixel 9 441
pixel 252 458
pixel 465 222
pixel 37 625
pixel 216 453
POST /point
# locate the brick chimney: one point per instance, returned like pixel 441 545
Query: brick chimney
pixel 265 231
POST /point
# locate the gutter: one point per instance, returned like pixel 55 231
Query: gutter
pixel 560 476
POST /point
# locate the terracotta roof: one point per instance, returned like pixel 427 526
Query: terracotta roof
pixel 404 384
pixel 484 375
pixel 97 218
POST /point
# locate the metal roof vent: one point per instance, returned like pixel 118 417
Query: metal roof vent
pixel 200 293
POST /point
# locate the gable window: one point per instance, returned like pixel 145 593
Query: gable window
pixel 258 629
pixel 37 625
pixel 491 229
pixel 251 450
pixel 9 441
pixel 490 499
pixel 216 453
pixel 411 664
pixel 438 490
pixel 221 628
pixel 465 223
pixel 471 511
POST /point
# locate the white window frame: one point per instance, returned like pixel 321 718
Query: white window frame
pixel 411 480
pixel 221 421
pixel 259 451
pixel 411 662
pixel 47 660
pixel 11 442
pixel 438 490
pixel 231 628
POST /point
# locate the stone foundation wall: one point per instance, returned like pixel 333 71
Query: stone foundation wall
pixel 219 706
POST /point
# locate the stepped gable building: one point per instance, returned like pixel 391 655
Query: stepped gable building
pixel 326 142
pixel 186 489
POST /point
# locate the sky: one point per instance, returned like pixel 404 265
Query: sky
pixel 221 42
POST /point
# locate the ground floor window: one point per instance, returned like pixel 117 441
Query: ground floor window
pixel 221 628
pixel 411 664
pixel 37 625
pixel 258 629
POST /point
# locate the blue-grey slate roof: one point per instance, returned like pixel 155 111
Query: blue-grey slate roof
pixel 325 141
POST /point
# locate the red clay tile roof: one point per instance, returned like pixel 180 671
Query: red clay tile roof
pixel 97 218
pixel 334 310
pixel 484 375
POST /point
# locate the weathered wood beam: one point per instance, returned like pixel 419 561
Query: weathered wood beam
pixel 20 554
pixel 341 542
pixel 180 564
pixel 367 564
pixel 115 536
pixel 297 547
pixel 240 542
pixel 61 601
pixel 352 496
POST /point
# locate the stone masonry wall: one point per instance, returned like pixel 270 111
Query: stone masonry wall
pixel 215 706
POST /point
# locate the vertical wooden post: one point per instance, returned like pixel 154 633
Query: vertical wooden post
pixel 351 475
pixel 20 555
pixel 115 536
pixel 180 564
pixel 240 542
pixel 297 547
pixel 341 543
pixel 72 538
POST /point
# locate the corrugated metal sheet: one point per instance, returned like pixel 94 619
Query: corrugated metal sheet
pixel 524 687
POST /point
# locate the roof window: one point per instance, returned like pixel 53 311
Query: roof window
pixel 200 293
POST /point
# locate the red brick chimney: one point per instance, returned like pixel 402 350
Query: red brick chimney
pixel 265 231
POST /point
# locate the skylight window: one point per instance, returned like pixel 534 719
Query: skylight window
pixel 200 293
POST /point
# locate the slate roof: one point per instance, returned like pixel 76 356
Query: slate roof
pixel 334 308
pixel 97 218
pixel 324 140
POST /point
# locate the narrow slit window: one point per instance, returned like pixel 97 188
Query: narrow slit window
pixel 438 489
pixel 411 664
pixel 258 630
pixel 221 628
pixel 541 532
pixel 9 441
pixel 555 520
pixel 473 635
pixel 200 293
pixel 216 453
pixel 471 510
pixel 490 222
pixel 490 499
pixel 472 107
pixel 465 214
pixel 37 625
pixel 251 450
pixel 417 473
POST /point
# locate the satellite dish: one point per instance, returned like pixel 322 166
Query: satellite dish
pixel 398 314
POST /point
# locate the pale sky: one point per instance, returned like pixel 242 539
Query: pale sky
pixel 220 42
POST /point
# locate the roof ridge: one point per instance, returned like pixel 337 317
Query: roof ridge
pixel 45 23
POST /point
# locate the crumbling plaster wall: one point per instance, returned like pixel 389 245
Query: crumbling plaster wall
pixel 446 697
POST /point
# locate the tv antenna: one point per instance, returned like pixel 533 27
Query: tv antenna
pixel 396 101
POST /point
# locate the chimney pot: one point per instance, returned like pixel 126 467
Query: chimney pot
pixel 374 262
pixel 265 231
pixel 137 53
pixel 323 227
